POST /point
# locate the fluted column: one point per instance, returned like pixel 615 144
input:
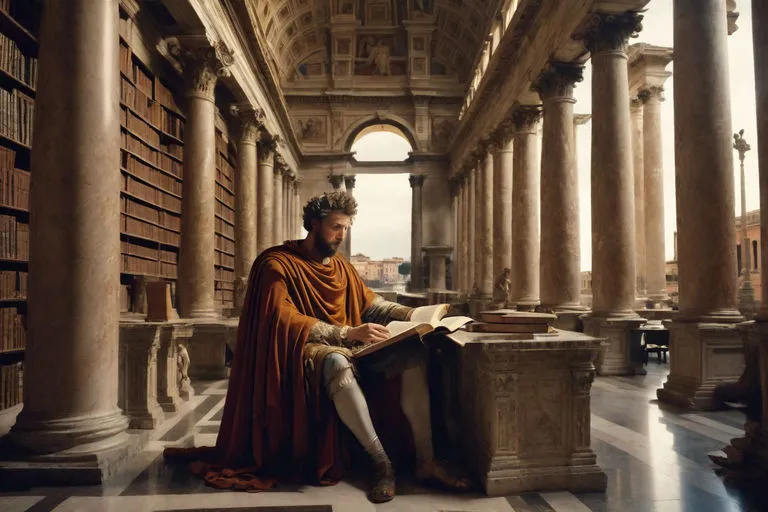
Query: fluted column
pixel 525 210
pixel 245 198
pixel 349 184
pixel 655 257
pixel 638 171
pixel 71 361
pixel 277 207
pixel 705 210
pixel 485 217
pixel 502 200
pixel 265 229
pixel 417 267
pixel 195 285
pixel 560 265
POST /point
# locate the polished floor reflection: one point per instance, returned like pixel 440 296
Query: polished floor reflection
pixel 655 458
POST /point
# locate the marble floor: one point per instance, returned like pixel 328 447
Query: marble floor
pixel 655 458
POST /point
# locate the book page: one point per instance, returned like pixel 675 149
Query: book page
pixel 452 323
pixel 396 327
pixel 429 314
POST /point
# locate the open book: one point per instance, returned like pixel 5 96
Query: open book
pixel 424 320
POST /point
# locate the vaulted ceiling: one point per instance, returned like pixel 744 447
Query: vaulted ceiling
pixel 300 33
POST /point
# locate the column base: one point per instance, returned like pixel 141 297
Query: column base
pixel 577 476
pixel 478 303
pixel 88 465
pixel 202 314
pixel 702 356
pixel 617 358
pixel 524 305
pixel 568 319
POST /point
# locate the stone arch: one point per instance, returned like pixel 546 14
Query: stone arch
pixel 398 122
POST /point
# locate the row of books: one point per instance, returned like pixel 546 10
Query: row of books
pixel 14 238
pixel 137 265
pixel 225 275
pixel 26 12
pixel 15 63
pixel 11 385
pixel 14 183
pixel 224 195
pixel 225 244
pixel 226 212
pixel 148 173
pixel 160 217
pixel 13 284
pixel 13 334
pixel 149 135
pixel 137 146
pixel 140 228
pixel 151 111
pixel 138 250
pixel 513 322
pixel 224 228
pixel 224 259
pixel 169 256
pixel 17 113
pixel 151 194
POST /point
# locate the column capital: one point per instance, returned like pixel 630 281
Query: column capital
pixel 503 134
pixel 416 180
pixel 280 165
pixel 653 92
pixel 557 81
pixel 336 180
pixel 524 118
pixel 636 105
pixel 251 121
pixel 611 32
pixel 203 63
pixel 349 181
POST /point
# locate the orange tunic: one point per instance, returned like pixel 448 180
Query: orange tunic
pixel 274 425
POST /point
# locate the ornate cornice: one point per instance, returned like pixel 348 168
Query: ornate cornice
pixel 348 100
pixel 251 121
pixel 203 63
pixel 610 32
pixel 416 180
pixel 557 80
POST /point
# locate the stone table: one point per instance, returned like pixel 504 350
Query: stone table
pixel 525 412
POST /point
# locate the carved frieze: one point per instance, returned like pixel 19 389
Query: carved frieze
pixel 312 130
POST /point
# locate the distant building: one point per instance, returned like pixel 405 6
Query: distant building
pixel 378 273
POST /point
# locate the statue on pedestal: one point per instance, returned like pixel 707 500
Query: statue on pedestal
pixel 502 287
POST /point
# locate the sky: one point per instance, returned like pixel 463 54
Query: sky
pixel 383 222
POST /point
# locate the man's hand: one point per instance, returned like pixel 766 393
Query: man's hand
pixel 368 333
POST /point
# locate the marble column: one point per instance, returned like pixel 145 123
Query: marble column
pixel 560 265
pixel 265 228
pixel 70 412
pixel 245 198
pixel 277 207
pixel 286 204
pixel 417 267
pixel 471 230
pixel 349 184
pixel 655 257
pixel 485 233
pixel 612 184
pixel 525 210
pixel 195 285
pixel 638 171
pixel 298 216
pixel 467 242
pixel 502 200
pixel 705 348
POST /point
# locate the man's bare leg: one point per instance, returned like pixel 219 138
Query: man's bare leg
pixel 348 398
pixel 414 399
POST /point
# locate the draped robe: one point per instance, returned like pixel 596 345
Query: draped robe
pixel 277 422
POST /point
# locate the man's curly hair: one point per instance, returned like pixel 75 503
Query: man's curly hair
pixel 319 207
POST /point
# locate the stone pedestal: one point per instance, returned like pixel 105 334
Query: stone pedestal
pixel 137 394
pixel 168 366
pixel 207 348
pixel 436 255
pixel 616 359
pixel 525 409
pixel 702 356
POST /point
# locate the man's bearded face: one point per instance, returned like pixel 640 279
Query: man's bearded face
pixel 331 232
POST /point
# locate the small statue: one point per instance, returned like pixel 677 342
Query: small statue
pixel 182 377
pixel 502 287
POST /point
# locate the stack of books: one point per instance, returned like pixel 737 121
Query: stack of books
pixel 512 321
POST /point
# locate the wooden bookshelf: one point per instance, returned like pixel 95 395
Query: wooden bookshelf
pixel 151 168
pixel 19 20
pixel 224 254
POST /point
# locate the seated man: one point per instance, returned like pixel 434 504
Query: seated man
pixel 305 311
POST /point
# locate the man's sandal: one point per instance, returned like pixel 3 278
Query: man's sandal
pixel 434 473
pixel 383 489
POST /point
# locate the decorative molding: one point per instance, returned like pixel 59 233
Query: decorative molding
pixel 557 80
pixel 525 117
pixel 203 63
pixel 416 180
pixel 251 122
pixel 611 32
pixel 651 92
